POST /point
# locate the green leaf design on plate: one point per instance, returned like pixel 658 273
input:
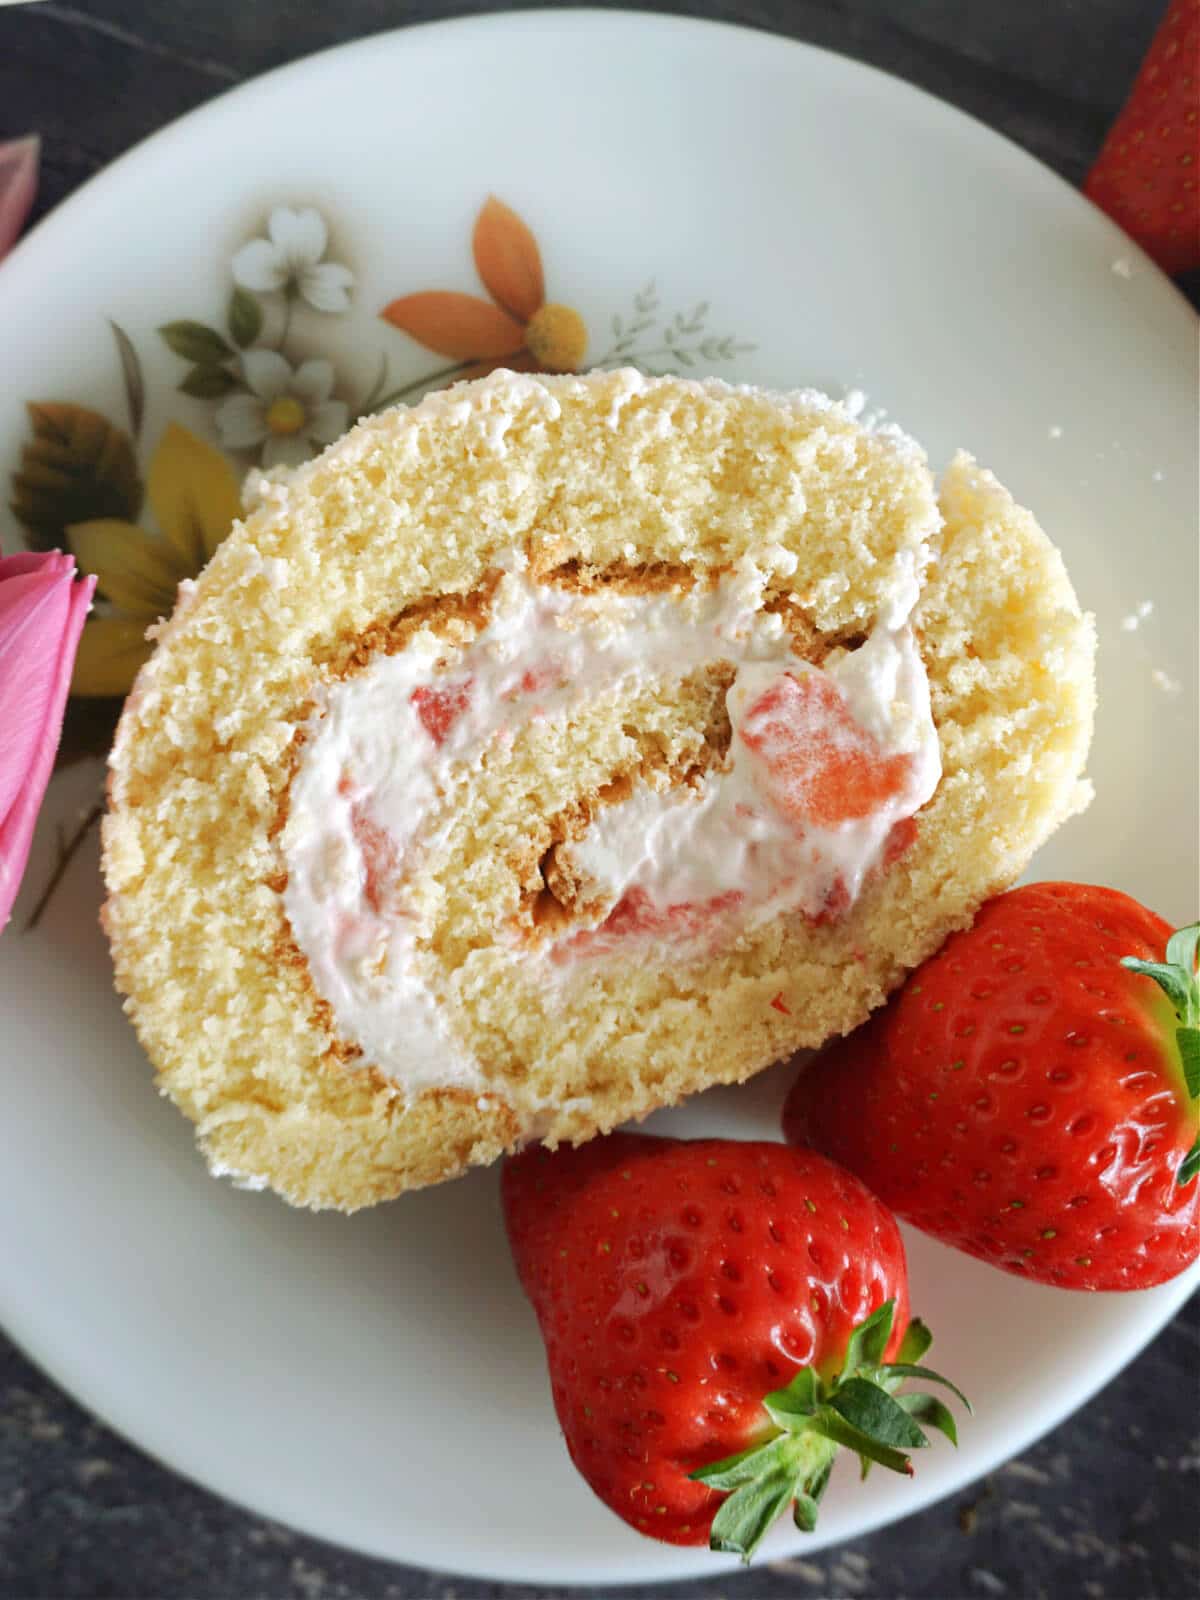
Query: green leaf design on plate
pixel 209 383
pixel 131 373
pixel 245 318
pixel 196 342
pixel 77 467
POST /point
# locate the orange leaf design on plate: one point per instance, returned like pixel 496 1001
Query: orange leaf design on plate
pixel 457 325
pixel 508 259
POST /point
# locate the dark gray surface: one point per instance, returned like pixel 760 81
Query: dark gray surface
pixel 1106 1505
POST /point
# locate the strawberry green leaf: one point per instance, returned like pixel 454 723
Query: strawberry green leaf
pixel 793 1407
pixel 907 1369
pixel 1182 946
pixel 1188 1040
pixel 808 1496
pixel 872 1410
pixel 1190 1165
pixel 916 1341
pixel 804 1512
pixel 740 1524
pixel 928 1409
pixel 869 1340
pixel 1173 981
pixel 1177 978
pixel 813 1418
pixel 818 1481
pixel 746 1465
pixel 836 1427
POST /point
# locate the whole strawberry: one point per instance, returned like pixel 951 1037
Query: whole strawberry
pixel 1029 1095
pixel 716 1317
pixel 1145 176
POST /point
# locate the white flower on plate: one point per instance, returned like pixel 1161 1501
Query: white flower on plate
pixel 288 411
pixel 291 260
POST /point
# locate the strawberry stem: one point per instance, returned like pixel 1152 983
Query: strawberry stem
pixel 1177 978
pixel 858 1410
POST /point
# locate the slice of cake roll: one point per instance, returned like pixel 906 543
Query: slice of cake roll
pixel 549 751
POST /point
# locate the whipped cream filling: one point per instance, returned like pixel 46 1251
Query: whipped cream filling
pixel 754 840
pixel 825 767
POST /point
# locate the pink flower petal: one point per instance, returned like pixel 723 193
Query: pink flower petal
pixel 18 185
pixel 42 611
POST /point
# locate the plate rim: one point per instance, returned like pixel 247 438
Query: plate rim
pixel 695 1561
pixel 688 1562
pixel 574 16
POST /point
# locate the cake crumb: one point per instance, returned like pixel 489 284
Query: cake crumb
pixel 1134 620
pixel 855 402
pixel 1055 430
pixel 1122 267
pixel 1164 681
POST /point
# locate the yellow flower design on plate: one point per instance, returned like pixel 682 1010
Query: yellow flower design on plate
pixel 194 497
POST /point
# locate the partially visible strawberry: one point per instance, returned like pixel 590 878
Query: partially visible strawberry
pixel 1145 175
pixel 1030 1094
pixel 717 1317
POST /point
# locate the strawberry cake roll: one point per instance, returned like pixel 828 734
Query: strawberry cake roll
pixel 544 753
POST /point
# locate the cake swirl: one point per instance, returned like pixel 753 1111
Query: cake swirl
pixel 544 753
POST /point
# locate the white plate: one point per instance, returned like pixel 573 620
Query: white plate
pixel 378 1380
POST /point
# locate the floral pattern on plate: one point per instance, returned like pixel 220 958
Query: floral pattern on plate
pixel 277 398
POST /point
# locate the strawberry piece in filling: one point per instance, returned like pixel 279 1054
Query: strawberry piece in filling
pixel 637 915
pixel 550 674
pixel 439 709
pixel 379 852
pixel 381 860
pixel 816 764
